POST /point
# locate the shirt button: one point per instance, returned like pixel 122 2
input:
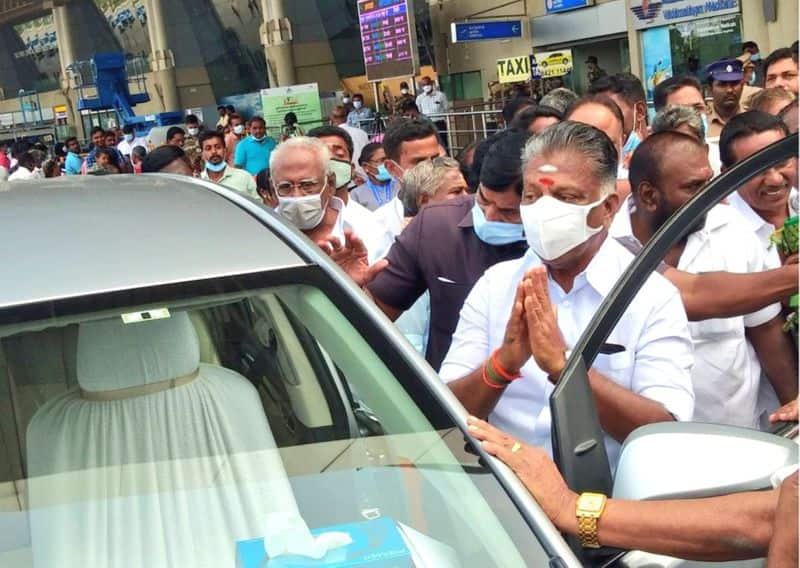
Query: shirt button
pixel 565 303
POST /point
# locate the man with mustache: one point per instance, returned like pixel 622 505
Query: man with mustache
pixel 725 81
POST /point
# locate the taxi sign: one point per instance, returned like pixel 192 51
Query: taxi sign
pixel 513 69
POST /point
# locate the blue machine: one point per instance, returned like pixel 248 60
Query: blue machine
pixel 103 84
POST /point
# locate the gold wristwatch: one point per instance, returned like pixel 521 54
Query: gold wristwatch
pixel 588 510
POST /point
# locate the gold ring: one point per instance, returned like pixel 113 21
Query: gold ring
pixel 516 447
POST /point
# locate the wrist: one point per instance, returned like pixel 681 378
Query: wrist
pixel 507 361
pixel 566 520
pixel 555 370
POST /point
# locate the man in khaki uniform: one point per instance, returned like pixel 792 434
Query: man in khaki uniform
pixel 726 81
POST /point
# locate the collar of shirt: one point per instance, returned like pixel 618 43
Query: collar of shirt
pixel 382 193
pixel 226 173
pixel 761 228
pixel 713 115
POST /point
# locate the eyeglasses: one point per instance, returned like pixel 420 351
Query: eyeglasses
pixel 306 187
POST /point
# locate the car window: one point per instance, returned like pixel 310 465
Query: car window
pixel 184 433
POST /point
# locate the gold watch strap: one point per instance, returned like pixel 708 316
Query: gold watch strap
pixel 587 532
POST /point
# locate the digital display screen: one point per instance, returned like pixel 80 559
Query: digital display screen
pixel 386 38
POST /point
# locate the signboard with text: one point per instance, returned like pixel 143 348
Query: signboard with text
pixel 481 31
pixel 513 69
pixel 556 6
pixel 647 14
pixel 387 38
pixel 552 63
pixel 303 100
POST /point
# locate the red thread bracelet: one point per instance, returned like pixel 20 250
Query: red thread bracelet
pixel 501 371
pixel 489 383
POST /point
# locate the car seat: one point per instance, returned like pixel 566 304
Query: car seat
pixel 155 459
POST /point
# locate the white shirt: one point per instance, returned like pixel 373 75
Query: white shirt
pixel 360 139
pixel 23 173
pixel 656 362
pixel 391 215
pixel 727 374
pixel 713 156
pixel 359 219
pixel 767 398
pixel 125 148
pixel 433 103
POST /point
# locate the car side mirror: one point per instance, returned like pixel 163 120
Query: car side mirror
pixel 691 460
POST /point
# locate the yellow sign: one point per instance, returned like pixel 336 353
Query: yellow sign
pixel 513 69
pixel 552 63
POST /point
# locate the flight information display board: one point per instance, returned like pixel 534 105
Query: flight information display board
pixel 387 38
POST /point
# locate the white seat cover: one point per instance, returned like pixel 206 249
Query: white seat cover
pixel 172 478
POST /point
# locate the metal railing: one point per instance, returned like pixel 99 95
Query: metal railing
pixel 458 128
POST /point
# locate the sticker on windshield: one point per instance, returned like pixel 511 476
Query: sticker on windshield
pixel 137 317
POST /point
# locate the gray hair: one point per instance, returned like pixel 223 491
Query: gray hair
pixel 672 117
pixel 314 145
pixel 559 99
pixel 596 147
pixel 424 179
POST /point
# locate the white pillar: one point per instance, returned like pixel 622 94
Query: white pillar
pixel 66 56
pixel 276 37
pixel 162 60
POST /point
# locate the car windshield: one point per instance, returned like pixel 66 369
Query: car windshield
pixel 209 429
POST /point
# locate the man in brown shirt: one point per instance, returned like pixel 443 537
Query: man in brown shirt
pixel 726 82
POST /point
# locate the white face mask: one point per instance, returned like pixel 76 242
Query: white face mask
pixel 357 104
pixel 305 212
pixel 345 100
pixel 427 88
pixel 553 227
pixel 238 129
pixel 128 137
pixel 403 91
pixel 193 131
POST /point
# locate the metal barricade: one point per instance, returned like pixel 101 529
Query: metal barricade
pixel 458 128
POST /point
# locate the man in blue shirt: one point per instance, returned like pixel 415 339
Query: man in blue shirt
pixel 359 113
pixel 73 162
pixel 252 153
pixel 99 141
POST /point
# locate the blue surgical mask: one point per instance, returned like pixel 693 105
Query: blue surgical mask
pixel 631 143
pixel 383 174
pixel 704 118
pixel 494 232
pixel 755 57
pixel 216 168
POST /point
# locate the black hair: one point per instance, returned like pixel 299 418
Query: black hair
pixel 743 125
pixel 290 118
pixel 70 139
pixel 406 106
pixel 648 158
pixel 20 147
pixel 512 106
pixel 221 107
pixel 256 118
pixel 27 160
pixel 112 156
pixel 95 130
pixel 230 108
pixel 173 130
pixel 626 85
pixel 368 151
pixel 597 99
pixel 529 115
pixel 139 151
pixel 324 131
pixel 778 55
pixel 127 129
pixel 264 182
pixel 749 45
pixel 191 119
pixel 502 164
pixel 208 134
pixel 359 95
pixel 665 88
pixel 473 179
pixel 406 130
pixel 161 157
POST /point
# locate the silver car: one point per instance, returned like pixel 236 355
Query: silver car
pixel 186 381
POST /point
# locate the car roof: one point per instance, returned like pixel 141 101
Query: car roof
pixel 78 235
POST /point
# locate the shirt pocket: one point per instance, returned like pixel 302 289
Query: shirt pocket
pixel 617 366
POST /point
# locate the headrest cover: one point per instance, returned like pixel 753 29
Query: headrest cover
pixel 113 355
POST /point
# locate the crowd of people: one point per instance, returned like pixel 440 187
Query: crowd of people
pixel 493 263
